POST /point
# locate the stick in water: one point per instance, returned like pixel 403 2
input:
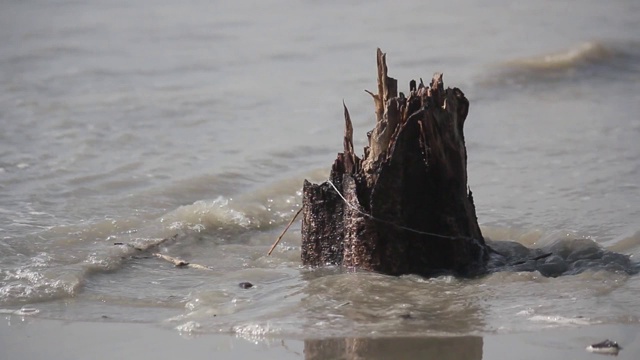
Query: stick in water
pixel 285 230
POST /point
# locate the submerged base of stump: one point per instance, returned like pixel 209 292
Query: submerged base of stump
pixel 405 206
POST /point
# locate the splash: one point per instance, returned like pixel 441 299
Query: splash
pixel 255 211
pixel 33 282
pixel 205 214
pixel 23 311
pixel 255 333
pixel 189 327
pixel 561 320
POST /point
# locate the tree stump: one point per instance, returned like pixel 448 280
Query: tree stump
pixel 404 207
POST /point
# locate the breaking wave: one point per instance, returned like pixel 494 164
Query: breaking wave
pixel 582 62
pixel 60 266
pixel 583 54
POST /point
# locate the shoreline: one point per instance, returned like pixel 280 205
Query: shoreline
pixel 35 338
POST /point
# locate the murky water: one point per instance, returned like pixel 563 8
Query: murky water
pixel 129 122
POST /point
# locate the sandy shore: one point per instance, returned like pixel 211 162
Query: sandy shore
pixel 34 338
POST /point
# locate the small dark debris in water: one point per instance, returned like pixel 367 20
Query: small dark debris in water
pixel 406 316
pixel 607 347
pixel 105 317
pixel 118 243
pixel 245 285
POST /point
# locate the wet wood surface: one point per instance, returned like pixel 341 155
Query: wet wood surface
pixel 405 206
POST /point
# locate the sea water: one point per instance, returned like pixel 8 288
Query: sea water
pixel 129 122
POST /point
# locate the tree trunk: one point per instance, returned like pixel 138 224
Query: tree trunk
pixel 405 206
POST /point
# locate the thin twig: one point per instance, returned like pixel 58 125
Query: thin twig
pixel 151 245
pixel 175 261
pixel 179 262
pixel 285 230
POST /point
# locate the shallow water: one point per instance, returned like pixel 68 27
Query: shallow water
pixel 132 122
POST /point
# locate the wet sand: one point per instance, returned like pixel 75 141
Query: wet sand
pixel 33 338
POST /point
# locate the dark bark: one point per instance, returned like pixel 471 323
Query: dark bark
pixel 406 207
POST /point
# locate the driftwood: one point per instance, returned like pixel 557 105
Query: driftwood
pixel 154 244
pixel 404 207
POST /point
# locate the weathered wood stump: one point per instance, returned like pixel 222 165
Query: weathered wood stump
pixel 405 206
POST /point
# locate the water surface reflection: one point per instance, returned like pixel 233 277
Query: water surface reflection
pixel 444 348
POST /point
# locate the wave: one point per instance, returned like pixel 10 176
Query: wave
pixel 61 264
pixel 583 54
pixel 60 261
pixel 592 60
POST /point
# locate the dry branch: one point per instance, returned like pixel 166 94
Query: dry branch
pixel 284 231
pixel 148 246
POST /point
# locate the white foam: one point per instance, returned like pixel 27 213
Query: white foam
pixel 27 284
pixel 24 311
pixel 560 320
pixel 205 214
pixel 189 327
pixel 254 332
